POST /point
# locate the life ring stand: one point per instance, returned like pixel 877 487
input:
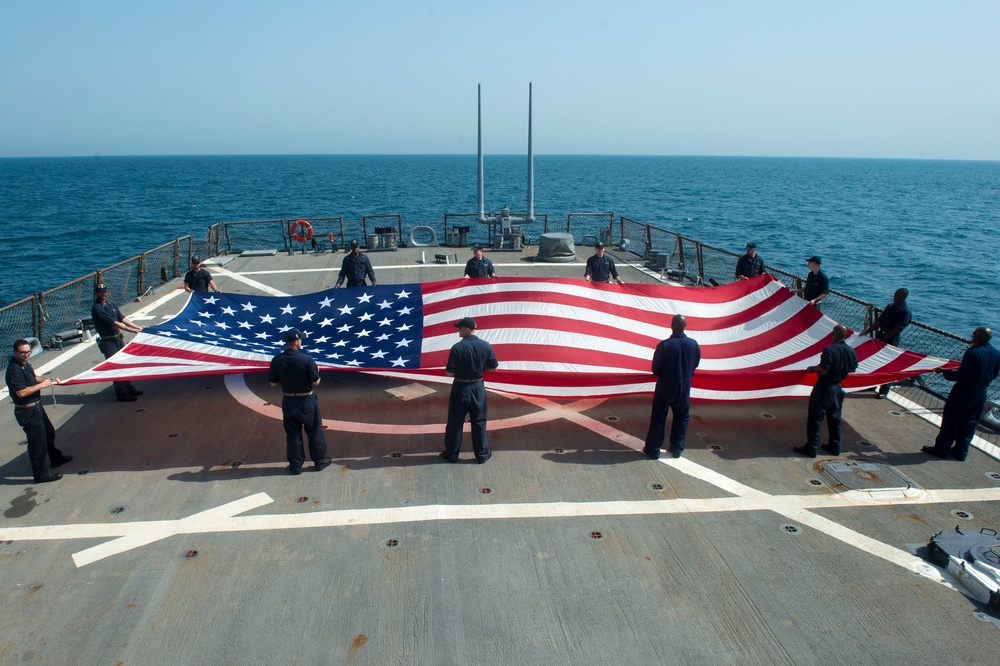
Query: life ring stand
pixel 424 229
pixel 305 234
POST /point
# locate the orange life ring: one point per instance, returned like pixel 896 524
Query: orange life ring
pixel 306 232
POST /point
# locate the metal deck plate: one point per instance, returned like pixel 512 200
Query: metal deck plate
pixel 866 475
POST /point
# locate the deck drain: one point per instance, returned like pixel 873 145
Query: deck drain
pixel 612 419
pixel 715 447
pixel 236 463
pixel 814 482
pixel 557 450
pixel 767 416
pixel 596 535
pixel 395 454
pixel 190 554
pixel 117 509
pixel 864 442
pixel 173 434
pixel 702 435
pixel 791 529
pixel 964 515
pixel 140 410
pixel 391 544
pixel 993 475
pixel 301 500
pixel 208 388
pixel 147 464
pixel 485 491
pixel 82 472
pixel 895 412
pixel 657 487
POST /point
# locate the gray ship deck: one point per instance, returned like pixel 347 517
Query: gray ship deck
pixel 177 536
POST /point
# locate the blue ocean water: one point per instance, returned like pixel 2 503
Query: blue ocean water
pixel 932 226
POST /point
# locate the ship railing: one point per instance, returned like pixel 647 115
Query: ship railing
pixel 691 262
pixel 385 233
pixel 63 313
pixel 275 234
pixel 464 229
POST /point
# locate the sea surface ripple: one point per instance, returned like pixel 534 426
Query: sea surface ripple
pixel 932 226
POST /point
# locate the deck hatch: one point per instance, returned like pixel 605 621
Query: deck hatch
pixel 866 475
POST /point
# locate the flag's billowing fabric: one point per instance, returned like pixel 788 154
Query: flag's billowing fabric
pixel 559 338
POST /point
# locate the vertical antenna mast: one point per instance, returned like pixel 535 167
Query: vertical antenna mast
pixel 479 173
pixel 531 166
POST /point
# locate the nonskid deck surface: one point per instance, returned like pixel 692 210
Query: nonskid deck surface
pixel 187 542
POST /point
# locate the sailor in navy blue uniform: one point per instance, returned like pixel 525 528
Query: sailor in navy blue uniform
pixel 297 374
pixel 470 357
pixel 964 406
pixel 749 265
pixel 601 268
pixel 109 322
pixel 674 361
pixel 355 268
pixel 890 324
pixel 25 389
pixel 478 267
pixel 894 318
pixel 827 398
pixel 198 278
pixel 817 285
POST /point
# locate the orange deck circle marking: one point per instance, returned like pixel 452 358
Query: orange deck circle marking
pixel 237 387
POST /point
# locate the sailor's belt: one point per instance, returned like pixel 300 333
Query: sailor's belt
pixel 108 337
pixel 469 381
pixel 297 395
pixel 30 404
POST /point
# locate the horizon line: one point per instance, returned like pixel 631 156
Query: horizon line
pixel 473 156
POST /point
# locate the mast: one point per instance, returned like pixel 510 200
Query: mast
pixel 531 166
pixel 479 174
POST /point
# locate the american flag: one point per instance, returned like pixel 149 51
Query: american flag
pixel 559 338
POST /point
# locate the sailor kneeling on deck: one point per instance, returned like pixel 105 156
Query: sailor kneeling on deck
pixel 297 374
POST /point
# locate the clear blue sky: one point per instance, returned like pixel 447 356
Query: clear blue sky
pixel 893 78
